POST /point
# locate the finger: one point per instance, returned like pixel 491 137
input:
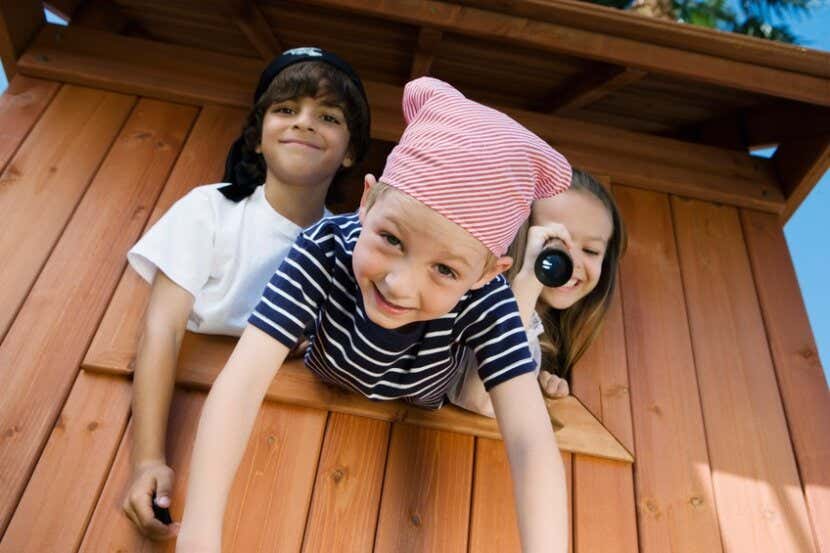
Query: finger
pixel 147 522
pixel 164 488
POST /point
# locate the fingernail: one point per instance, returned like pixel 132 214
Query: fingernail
pixel 163 501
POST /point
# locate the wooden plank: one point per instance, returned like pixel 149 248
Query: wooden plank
pixel 800 165
pixel 760 503
pixel 179 74
pixel 71 472
pixel 202 161
pixel 344 510
pixel 552 37
pixel 269 497
pixel 251 21
pixel 672 474
pixel 202 358
pixel 109 529
pixel 589 88
pixel 428 41
pixel 801 379
pixel 20 21
pixel 47 178
pixel 44 347
pixel 21 105
pixel 604 507
pixel 425 504
pixel 605 513
pixel 493 524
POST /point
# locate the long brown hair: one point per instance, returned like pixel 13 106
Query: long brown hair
pixel 569 332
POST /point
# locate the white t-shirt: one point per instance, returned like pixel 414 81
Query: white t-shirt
pixel 469 391
pixel 220 251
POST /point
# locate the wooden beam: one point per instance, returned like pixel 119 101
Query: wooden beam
pixel 252 22
pixel 586 89
pixel 20 21
pixel 800 165
pixel 762 126
pixel 428 41
pixel 203 356
pixel 102 15
pixel 604 47
pixel 189 75
pixel 694 38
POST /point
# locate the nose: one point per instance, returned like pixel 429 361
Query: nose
pixel 399 284
pixel 305 119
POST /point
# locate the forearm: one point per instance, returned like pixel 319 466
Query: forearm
pixel 153 384
pixel 541 497
pixel 224 428
pixel 526 288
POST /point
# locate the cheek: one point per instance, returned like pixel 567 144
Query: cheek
pixel 594 270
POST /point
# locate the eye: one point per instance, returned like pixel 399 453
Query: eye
pixel 282 108
pixel 390 239
pixel 592 253
pixel 446 271
pixel 329 118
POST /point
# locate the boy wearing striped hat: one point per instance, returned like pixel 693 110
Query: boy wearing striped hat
pixel 396 291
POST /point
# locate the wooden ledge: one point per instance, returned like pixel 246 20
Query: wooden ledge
pixel 202 358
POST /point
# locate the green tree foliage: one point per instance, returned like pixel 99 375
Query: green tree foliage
pixel 759 18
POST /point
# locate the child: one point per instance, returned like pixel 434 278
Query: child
pixel 396 292
pixel 560 322
pixel 210 253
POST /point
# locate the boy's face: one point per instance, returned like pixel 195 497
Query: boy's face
pixel 412 264
pixel 304 140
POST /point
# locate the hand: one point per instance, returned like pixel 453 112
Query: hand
pixel 540 236
pixel 150 478
pixel 552 385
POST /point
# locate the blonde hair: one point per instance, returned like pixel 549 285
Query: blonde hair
pixel 569 332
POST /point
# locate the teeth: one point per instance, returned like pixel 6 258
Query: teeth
pixel 571 282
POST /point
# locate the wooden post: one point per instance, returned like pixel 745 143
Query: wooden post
pixel 20 20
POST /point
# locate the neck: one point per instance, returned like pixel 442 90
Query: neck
pixel 301 203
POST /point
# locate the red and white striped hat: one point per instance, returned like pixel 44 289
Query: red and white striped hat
pixel 472 164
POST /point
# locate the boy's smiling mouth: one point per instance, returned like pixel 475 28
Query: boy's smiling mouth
pixel 300 143
pixel 387 306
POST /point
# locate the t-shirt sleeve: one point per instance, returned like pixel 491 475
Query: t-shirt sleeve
pixel 494 332
pixel 295 293
pixel 180 244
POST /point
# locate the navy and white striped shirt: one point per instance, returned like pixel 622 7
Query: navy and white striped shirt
pixel 416 363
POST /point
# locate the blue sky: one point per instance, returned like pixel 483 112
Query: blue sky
pixel 808 228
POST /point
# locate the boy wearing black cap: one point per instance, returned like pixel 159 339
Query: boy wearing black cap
pixel 208 257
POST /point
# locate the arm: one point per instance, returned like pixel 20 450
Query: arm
pixel 535 465
pixel 153 383
pixel 227 420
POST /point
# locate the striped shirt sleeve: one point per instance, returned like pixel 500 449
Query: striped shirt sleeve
pixel 296 291
pixel 493 330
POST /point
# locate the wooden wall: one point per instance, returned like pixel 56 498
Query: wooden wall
pixel 706 369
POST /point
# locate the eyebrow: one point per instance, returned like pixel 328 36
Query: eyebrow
pixel 444 255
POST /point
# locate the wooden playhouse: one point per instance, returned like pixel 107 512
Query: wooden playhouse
pixel 706 374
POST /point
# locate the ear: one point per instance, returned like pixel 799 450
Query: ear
pixel 348 160
pixel 368 182
pixel 501 265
